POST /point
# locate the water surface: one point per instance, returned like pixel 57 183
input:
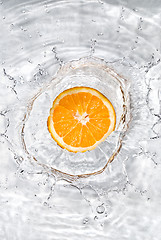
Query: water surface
pixel 38 39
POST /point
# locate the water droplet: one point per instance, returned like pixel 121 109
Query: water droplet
pixel 95 218
pixel 23 29
pixel 10 77
pixel 21 77
pixel 85 221
pixel 40 71
pixel 106 214
pixel 100 34
pixel 29 60
pixel 122 17
pixel 11 26
pixel 100 209
pixel 54 49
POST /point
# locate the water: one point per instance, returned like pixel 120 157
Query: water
pixel 45 191
pixel 36 140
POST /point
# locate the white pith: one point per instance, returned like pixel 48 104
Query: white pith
pixel 83 119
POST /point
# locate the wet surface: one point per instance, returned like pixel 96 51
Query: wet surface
pixel 38 40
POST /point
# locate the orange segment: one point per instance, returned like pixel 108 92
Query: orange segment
pixel 68 103
pixel 101 112
pixel 94 104
pixel 85 99
pixel 102 124
pixel 73 138
pixel 61 113
pixel 77 102
pixel 80 119
pixel 87 138
pixel 63 127
pixel 96 132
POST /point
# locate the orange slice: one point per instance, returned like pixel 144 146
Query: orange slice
pixel 81 118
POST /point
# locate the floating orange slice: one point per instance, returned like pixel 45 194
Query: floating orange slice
pixel 81 118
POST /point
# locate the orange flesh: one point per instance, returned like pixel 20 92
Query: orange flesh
pixel 76 133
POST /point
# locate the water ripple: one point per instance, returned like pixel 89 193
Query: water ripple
pixel 37 39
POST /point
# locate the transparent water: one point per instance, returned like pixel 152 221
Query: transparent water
pixel 35 135
pixel 113 191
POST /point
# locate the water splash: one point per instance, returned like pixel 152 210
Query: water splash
pixel 85 72
pixel 38 39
